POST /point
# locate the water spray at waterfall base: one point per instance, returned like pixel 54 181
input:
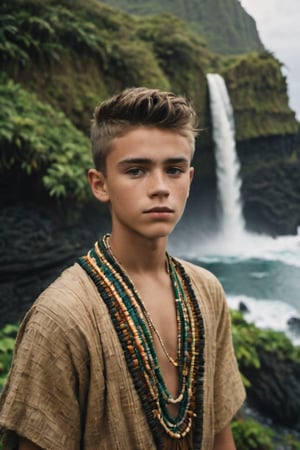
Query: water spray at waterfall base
pixel 233 241
pixel 258 270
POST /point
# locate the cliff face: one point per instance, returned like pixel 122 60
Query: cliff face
pixel 267 143
pixel 207 18
pixel 258 93
pixel 266 129
pixel 271 183
pixel 58 59
pixel 73 55
pixel 267 135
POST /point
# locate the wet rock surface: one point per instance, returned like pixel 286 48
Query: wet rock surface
pixel 294 324
pixel 275 389
pixel 36 245
pixel 271 184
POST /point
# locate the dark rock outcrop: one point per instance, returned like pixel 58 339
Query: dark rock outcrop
pixel 275 389
pixel 243 307
pixel 270 190
pixel 271 184
pixel 294 324
pixel 37 244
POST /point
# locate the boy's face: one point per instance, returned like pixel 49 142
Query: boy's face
pixel 147 181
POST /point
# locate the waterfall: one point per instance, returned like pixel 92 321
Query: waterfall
pixel 227 163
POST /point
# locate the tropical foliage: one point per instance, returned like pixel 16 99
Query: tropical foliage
pixel 257 87
pixel 249 434
pixel 39 140
pixel 44 33
pixel 59 58
pixel 7 341
pixel 75 54
pixel 239 34
pixel 248 341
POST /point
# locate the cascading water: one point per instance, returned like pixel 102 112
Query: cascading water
pixel 232 241
pixel 261 272
pixel 227 163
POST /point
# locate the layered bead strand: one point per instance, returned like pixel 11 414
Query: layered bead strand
pixel 134 329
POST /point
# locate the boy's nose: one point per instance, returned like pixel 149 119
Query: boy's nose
pixel 158 184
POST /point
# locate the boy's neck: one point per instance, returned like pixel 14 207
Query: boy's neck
pixel 139 255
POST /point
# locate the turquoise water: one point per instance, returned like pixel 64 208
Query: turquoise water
pixel 259 271
pixel 259 279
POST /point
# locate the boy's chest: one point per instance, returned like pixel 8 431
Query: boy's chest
pixel 160 315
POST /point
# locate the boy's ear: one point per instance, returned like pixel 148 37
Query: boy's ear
pixel 98 185
pixel 192 170
pixel 191 174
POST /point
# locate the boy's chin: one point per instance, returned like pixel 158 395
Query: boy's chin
pixel 160 233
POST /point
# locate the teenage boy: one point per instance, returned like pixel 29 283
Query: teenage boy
pixel 130 348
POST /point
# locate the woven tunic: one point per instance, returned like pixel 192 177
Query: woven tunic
pixel 69 387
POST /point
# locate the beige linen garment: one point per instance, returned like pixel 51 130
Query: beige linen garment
pixel 69 387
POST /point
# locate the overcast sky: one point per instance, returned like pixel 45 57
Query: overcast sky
pixel 278 24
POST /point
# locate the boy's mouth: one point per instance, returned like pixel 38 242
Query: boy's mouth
pixel 159 209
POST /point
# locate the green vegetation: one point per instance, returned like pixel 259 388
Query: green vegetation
pixel 248 335
pixel 7 341
pixel 258 92
pixel 74 54
pixel 58 59
pixel 42 142
pixel 44 32
pixel 239 33
pixel 248 340
pixel 249 434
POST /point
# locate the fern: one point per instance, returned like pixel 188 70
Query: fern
pixel 39 140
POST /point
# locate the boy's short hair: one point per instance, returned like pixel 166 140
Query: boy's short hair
pixel 139 107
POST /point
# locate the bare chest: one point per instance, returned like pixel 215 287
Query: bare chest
pixel 160 315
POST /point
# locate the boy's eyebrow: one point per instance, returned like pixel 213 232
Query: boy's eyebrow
pixel 150 161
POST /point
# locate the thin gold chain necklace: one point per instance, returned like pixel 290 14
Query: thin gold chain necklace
pixel 152 327
pixel 146 313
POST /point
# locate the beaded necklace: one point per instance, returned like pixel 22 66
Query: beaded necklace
pixel 134 325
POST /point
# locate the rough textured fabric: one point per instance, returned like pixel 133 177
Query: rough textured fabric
pixel 69 387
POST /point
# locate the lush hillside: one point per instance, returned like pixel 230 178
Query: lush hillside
pixel 59 58
pixel 75 54
pixel 258 93
pixel 226 26
pixel 42 143
pixel 71 55
pixel 70 58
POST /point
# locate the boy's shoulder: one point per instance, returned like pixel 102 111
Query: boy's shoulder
pixel 69 296
pixel 206 285
pixel 198 273
pixel 72 283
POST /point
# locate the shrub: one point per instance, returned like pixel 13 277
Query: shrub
pixel 39 140
pixel 248 341
pixel 249 434
pixel 7 342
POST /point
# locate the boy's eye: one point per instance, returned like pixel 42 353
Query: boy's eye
pixel 135 171
pixel 174 170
